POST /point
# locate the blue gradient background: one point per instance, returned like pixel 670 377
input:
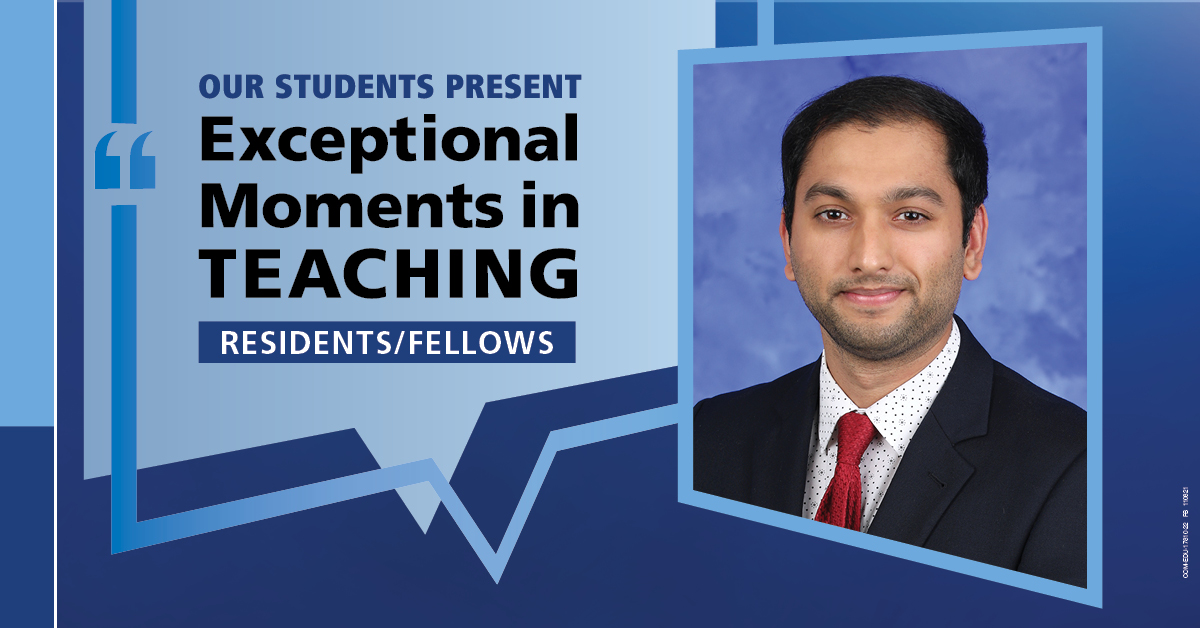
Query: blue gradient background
pixel 607 544
pixel 1028 306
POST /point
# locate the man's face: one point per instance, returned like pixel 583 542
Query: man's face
pixel 876 242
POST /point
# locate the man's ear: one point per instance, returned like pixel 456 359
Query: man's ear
pixel 976 241
pixel 786 239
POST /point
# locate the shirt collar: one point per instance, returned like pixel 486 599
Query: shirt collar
pixel 899 413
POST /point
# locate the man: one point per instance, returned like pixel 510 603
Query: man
pixel 905 428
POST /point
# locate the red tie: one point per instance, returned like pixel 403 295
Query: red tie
pixel 842 504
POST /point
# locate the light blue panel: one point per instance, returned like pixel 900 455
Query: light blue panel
pixel 624 180
pixel 1090 36
pixel 27 238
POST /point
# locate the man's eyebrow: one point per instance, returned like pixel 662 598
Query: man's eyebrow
pixel 826 189
pixel 915 191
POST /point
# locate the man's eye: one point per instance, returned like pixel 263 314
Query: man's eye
pixel 912 216
pixel 833 214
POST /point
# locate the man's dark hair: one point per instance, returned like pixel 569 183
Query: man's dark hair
pixel 876 100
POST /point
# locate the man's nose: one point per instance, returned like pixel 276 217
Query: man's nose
pixel 871 247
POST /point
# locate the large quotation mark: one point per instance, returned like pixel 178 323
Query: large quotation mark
pixel 108 167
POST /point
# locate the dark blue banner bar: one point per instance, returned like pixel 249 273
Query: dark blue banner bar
pixel 315 342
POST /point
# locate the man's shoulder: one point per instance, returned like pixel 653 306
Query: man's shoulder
pixel 1043 421
pixel 985 398
pixel 1012 394
pixel 743 442
pixel 1021 496
pixel 750 407
pixel 1030 439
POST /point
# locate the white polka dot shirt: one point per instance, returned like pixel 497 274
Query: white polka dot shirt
pixel 896 418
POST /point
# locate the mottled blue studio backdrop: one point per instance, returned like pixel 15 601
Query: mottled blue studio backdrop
pixel 1028 306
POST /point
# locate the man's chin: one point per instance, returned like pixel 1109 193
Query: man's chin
pixel 879 338
pixel 876 334
pixel 872 321
pixel 873 349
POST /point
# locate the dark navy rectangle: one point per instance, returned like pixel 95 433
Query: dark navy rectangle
pixel 434 342
pixel 27 527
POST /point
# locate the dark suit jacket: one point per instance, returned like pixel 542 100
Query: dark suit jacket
pixel 997 471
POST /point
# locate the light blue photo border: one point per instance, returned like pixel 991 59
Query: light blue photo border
pixel 1092 38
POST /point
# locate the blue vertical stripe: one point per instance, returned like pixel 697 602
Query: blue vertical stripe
pixel 124 61
pixel 736 24
pixel 124 374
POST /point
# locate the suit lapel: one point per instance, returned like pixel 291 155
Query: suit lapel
pixel 928 479
pixel 786 458
pixel 932 472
